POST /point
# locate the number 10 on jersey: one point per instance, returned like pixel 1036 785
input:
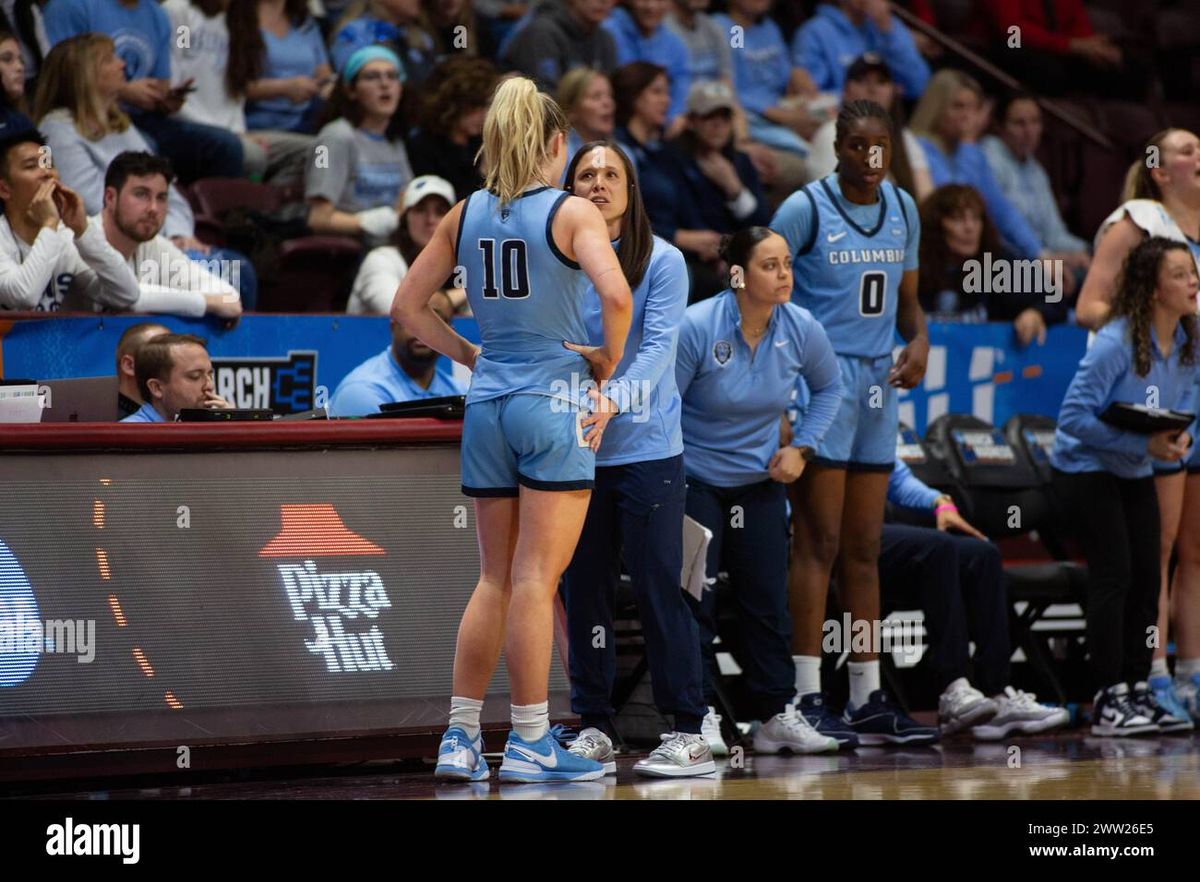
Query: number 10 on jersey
pixel 513 272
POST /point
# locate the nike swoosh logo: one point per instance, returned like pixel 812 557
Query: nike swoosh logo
pixel 833 237
pixel 549 760
pixel 781 343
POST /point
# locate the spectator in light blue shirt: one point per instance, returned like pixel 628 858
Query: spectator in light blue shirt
pixel 638 30
pixel 941 121
pixel 827 44
pixel 392 24
pixel 141 33
pixel 405 371
pixel 742 356
pixel 288 60
pixel 772 91
pixel 173 372
pixel 1021 178
pixel 1103 475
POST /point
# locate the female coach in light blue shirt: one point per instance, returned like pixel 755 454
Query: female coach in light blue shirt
pixel 741 356
pixel 636 510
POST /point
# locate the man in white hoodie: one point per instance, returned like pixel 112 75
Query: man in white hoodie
pixel 136 187
pixel 52 257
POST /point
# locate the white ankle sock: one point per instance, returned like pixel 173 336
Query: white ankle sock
pixel 808 674
pixel 464 713
pixel 531 721
pixel 1158 668
pixel 1186 668
pixel 864 679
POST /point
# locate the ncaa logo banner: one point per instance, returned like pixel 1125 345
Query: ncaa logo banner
pixel 283 385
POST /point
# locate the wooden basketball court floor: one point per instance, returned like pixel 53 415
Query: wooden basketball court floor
pixel 1069 765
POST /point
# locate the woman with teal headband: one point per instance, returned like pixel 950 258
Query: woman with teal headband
pixel 359 166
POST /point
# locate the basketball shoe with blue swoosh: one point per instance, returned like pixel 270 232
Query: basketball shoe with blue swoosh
pixel 544 760
pixel 460 758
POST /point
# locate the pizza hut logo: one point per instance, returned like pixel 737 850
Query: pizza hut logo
pixel 342 606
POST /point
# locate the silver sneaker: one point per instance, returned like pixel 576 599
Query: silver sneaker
pixel 962 706
pixel 790 731
pixel 711 730
pixel 679 756
pixel 595 745
pixel 1020 712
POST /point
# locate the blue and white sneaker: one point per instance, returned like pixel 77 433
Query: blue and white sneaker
pixel 1164 693
pixel 543 761
pixel 1187 689
pixel 818 715
pixel 1147 704
pixel 881 721
pixel 460 758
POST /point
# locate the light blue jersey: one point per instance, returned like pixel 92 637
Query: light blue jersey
pixel 527 297
pixel 848 261
pixel 647 428
pixel 733 398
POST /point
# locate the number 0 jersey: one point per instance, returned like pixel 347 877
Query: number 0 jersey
pixel 848 261
pixel 526 295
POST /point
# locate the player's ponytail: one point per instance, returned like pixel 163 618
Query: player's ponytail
pixel 1139 183
pixel 517 132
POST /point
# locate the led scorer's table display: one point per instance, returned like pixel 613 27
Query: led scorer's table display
pixel 238 595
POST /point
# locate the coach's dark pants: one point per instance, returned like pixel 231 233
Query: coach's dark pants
pixel 1116 520
pixel 958 583
pixel 635 514
pixel 750 541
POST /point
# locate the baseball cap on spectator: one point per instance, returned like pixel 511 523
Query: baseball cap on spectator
pixel 868 62
pixel 708 97
pixel 367 54
pixel 427 185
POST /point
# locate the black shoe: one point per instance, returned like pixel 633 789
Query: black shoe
pixel 881 721
pixel 1114 714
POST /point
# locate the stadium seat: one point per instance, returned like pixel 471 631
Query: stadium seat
pixel 1011 498
pixel 314 274
pixel 216 196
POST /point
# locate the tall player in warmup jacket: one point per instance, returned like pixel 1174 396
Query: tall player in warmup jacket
pixel 854 237
pixel 528 448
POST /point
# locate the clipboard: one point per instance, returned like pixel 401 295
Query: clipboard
pixel 1145 420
